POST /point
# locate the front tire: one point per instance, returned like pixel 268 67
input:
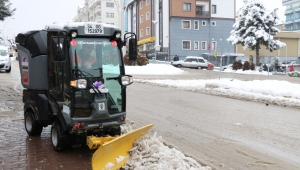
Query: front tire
pixel 58 140
pixel 31 126
pixel 8 71
pixel 179 66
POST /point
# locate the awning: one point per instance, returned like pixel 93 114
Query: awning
pixel 147 40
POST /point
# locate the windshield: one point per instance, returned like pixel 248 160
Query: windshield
pixel 94 55
pixel 3 53
pixel 98 59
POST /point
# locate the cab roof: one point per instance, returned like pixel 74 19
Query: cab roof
pixel 79 27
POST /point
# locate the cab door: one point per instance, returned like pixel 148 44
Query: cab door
pixel 59 81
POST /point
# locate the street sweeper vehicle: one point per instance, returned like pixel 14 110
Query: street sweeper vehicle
pixel 74 80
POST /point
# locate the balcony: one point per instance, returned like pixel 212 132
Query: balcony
pixel 297 19
pixel 98 18
pixel 288 21
pixel 203 14
pixel 289 10
pixel 98 9
pixel 297 8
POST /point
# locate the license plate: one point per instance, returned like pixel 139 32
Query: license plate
pixel 101 106
pixel 93 29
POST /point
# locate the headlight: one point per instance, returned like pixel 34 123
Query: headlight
pixel 126 80
pixel 118 35
pixel 74 34
pixel 80 83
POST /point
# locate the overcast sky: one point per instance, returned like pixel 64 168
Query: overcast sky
pixel 36 14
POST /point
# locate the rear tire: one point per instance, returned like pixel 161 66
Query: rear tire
pixel 115 131
pixel 199 67
pixel 31 126
pixel 59 141
pixel 8 71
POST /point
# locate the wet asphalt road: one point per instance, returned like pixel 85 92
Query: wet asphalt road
pixel 18 151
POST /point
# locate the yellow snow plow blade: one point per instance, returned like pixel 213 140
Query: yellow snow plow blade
pixel 113 151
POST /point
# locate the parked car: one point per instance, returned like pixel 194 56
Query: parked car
pixel 5 61
pixel 193 62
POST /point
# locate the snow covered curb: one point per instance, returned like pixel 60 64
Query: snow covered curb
pixel 213 89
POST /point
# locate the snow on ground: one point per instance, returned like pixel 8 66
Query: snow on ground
pixel 150 152
pixel 153 69
pixel 267 91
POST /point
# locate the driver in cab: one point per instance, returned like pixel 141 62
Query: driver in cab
pixel 85 58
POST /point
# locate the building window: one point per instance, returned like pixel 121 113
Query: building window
pixel 110 15
pixel 187 6
pixel 142 33
pixel 147 2
pixel 196 45
pixel 203 45
pixel 148 31
pixel 186 24
pixel 186 45
pixel 141 19
pixel 141 5
pixel 213 45
pixel 147 16
pixel 213 23
pixel 214 9
pixel 109 4
pixel 203 23
pixel 196 25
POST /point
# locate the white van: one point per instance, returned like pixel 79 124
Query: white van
pixel 5 61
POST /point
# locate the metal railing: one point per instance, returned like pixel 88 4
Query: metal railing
pixel 289 10
pixel 202 13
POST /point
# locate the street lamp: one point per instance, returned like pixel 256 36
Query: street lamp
pixel 3 29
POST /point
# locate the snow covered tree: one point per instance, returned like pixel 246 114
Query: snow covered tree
pixel 254 24
pixel 5 10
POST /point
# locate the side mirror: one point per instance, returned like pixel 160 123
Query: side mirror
pixel 59 49
pixel 132 52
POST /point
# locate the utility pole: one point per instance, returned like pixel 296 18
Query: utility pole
pixel 269 51
pixel 156 23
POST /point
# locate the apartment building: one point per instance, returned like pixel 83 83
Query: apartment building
pixel 141 21
pixel 201 26
pixel 292 14
pixel 182 27
pixel 104 11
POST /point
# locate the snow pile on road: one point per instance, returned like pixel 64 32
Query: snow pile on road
pixel 149 152
pixel 274 92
